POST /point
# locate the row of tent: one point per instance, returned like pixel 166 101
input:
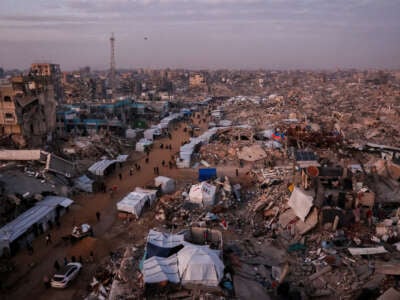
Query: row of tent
pixel 169 257
pixel 186 151
pixel 156 130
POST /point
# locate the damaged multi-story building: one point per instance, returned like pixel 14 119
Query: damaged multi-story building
pixel 28 109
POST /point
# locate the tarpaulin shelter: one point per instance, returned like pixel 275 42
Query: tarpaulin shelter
pixel 37 216
pixel 207 173
pixel 160 269
pixel 142 144
pixel 200 265
pixel 84 183
pixel 102 167
pixel 163 244
pixel 202 194
pixel 167 184
pixel 301 202
pixel 133 203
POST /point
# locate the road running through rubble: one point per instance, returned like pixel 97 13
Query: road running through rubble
pixel 27 279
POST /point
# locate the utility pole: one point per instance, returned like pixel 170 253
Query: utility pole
pixel 112 65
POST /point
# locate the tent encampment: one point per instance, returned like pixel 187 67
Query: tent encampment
pixel 200 265
pixel 202 194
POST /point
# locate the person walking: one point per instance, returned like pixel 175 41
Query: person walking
pixel 65 261
pixel 48 239
pixel 120 176
pixel 147 160
pixel 237 172
pixel 98 216
pixel 130 171
pixel 56 265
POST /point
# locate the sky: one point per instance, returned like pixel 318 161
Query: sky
pixel 201 34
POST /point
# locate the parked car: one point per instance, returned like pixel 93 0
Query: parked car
pixel 64 277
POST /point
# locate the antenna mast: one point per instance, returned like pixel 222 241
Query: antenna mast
pixel 112 64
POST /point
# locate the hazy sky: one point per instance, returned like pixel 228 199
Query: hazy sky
pixel 248 34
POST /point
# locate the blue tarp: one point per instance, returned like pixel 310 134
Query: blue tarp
pixel 207 173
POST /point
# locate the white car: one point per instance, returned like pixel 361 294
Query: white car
pixel 64 277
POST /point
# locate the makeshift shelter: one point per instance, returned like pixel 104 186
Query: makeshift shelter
pixel 149 134
pixel 151 194
pixel 163 244
pixel 167 184
pixel 301 202
pixel 15 234
pixel 102 167
pixel 202 194
pixel 200 265
pixel 165 240
pixel 142 144
pixel 84 183
pixel 133 203
pixel 207 173
pixel 160 269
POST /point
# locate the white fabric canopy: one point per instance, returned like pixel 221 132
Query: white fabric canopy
pixel 133 203
pixel 200 265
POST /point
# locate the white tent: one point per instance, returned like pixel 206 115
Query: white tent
pixel 142 143
pixel 151 194
pixel 301 202
pixel 133 203
pixel 202 193
pixel 159 269
pixel 200 265
pixel 167 184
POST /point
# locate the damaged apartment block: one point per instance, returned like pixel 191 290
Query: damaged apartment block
pixel 27 110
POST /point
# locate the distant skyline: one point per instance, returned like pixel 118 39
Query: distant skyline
pixel 202 34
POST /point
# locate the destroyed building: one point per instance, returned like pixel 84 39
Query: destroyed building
pixel 28 110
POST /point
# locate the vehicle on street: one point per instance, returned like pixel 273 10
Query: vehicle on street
pixel 82 231
pixel 64 277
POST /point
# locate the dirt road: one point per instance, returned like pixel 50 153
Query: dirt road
pixel 27 279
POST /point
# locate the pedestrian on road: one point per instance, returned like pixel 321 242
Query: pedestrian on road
pixel 98 216
pixel 163 163
pixel 157 171
pixel 120 176
pixel 147 160
pixel 130 171
pixel 48 239
pixel 237 172
pixel 65 261
pixel 46 281
pixel 138 167
pixel 56 265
